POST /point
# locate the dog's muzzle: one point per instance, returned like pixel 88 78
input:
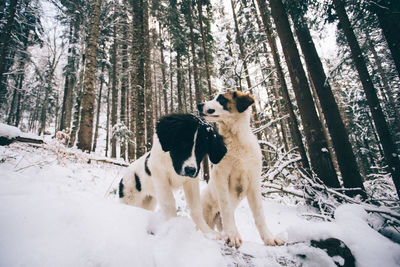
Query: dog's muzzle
pixel 190 171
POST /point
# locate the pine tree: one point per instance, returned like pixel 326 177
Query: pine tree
pixel 343 150
pixel 389 147
pixel 317 146
pixel 86 121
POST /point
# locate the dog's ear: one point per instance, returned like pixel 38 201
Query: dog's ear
pixel 243 101
pixel 216 146
pixel 174 128
pixel 166 129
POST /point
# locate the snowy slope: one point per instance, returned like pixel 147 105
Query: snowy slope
pixel 58 210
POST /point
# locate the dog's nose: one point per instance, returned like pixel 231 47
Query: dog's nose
pixel 210 111
pixel 190 171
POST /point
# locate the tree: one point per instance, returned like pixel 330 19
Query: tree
pixel 317 146
pixel 86 121
pixel 388 13
pixel 5 37
pixel 344 153
pixel 294 126
pixel 389 147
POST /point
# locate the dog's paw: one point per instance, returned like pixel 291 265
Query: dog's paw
pixel 233 239
pixel 273 241
pixel 213 235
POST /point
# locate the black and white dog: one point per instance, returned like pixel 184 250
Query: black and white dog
pixel 179 145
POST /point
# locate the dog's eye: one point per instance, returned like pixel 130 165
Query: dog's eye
pixel 222 100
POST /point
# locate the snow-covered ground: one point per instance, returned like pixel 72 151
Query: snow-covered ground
pixel 56 209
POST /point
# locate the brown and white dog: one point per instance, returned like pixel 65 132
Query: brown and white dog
pixel 238 174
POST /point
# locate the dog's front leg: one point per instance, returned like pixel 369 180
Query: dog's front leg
pixel 165 198
pixel 192 195
pixel 221 183
pixel 255 203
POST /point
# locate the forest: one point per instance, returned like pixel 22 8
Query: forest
pixel 325 75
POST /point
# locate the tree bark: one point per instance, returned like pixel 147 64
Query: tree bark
pixel 340 138
pixel 317 146
pixel 139 69
pixel 114 92
pixel 205 50
pixel 388 13
pixel 96 129
pixel 197 88
pixel 148 81
pixel 389 147
pixel 5 39
pixel 294 125
pixel 163 73
pixel 86 124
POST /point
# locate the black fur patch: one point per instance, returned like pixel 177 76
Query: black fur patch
pixel 176 133
pixel 336 247
pixel 138 184
pixel 223 101
pixel 121 189
pixel 146 166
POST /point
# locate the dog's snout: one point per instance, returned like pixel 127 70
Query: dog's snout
pixel 210 111
pixel 190 171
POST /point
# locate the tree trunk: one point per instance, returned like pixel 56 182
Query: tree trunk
pixel 148 81
pixel 388 13
pixel 114 92
pixel 386 89
pixel 124 87
pixel 108 122
pixel 85 133
pixel 197 88
pixel 179 81
pixel 70 80
pixel 96 129
pixel 163 72
pixel 205 50
pixel 317 146
pixel 139 69
pixel 389 147
pixel 5 39
pixel 340 138
pixel 294 126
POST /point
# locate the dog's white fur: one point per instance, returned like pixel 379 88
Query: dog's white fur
pixel 236 176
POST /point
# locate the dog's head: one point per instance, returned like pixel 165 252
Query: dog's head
pixel 188 139
pixel 225 106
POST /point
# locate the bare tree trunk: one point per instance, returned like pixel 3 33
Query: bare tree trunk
pixel 70 81
pixel 386 90
pixel 139 69
pixel 5 38
pixel 179 81
pixel 148 82
pixel 86 124
pixel 163 72
pixel 108 122
pixel 317 146
pixel 388 13
pixel 114 92
pixel 96 129
pixel 205 50
pixel 124 87
pixel 294 126
pixel 197 88
pixel 389 147
pixel 340 138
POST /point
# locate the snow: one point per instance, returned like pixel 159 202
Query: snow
pixel 9 131
pixel 61 211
